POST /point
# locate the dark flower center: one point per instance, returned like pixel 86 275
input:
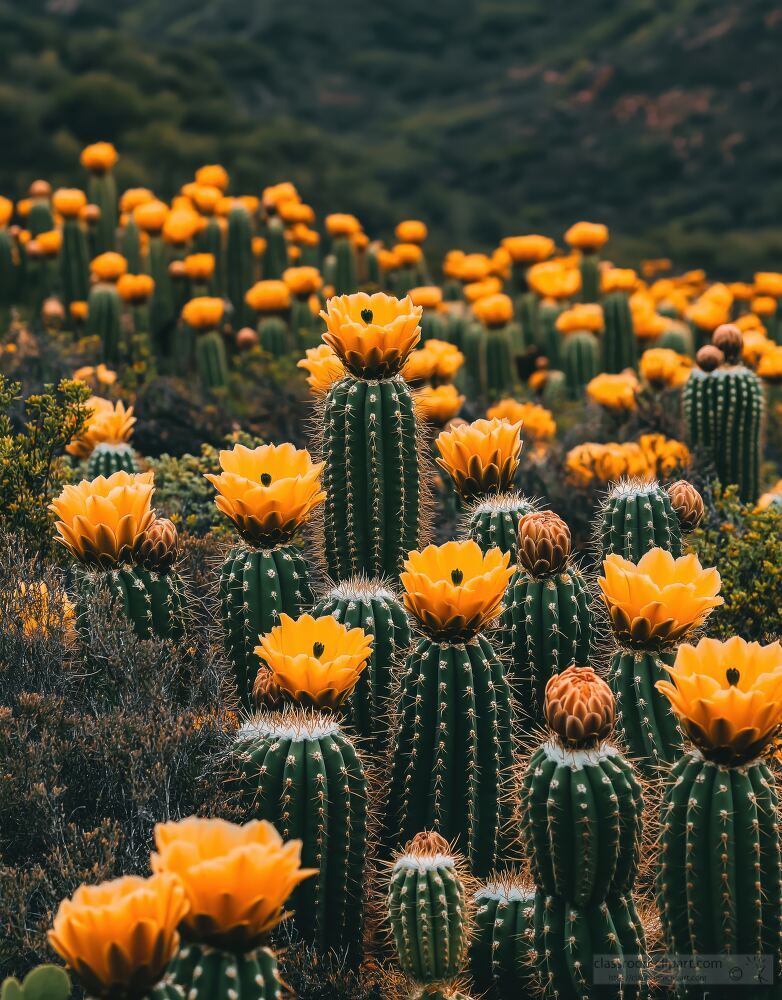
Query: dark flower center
pixel 266 479
pixel 457 576
pixel 317 649
pixel 367 315
pixel 732 676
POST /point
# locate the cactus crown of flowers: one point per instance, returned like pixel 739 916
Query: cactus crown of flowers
pixel 372 335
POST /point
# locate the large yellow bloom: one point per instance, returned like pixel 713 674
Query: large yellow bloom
pixel 662 367
pixel 658 600
pixel 318 661
pixel 727 697
pixel 203 312
pixel 539 424
pixel 324 368
pixel 236 878
pixel 455 590
pixel 302 281
pixel 528 249
pixel 588 236
pixel 372 334
pixel 420 365
pixel 426 296
pixel 109 266
pixel 107 424
pixel 768 283
pixel 494 310
pixel 135 289
pixel 481 457
pixel 68 202
pixel 614 392
pixel 99 157
pixel 591 463
pixel 268 491
pixel 770 365
pixel 102 522
pixel 150 216
pixel 212 175
pixel 271 295
pixel 618 279
pixel 583 316
pixel 340 224
pixel 438 405
pixel 118 937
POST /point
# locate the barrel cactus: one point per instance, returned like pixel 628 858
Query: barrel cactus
pixel 268 493
pixel 636 516
pixel 452 759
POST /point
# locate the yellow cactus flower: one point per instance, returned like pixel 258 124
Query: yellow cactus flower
pixel 324 368
pixel 448 358
pixel 481 457
pixel 339 224
pixel 6 211
pixel 134 197
pixel 318 661
pixel 49 243
pixel 528 249
pixel 438 405
pixel 754 344
pixel 411 231
pixel 276 193
pixel 102 522
pixel 203 312
pixel 770 365
pixel 420 365
pixel 199 266
pixel 372 334
pixel 663 368
pixel 614 392
pixel 109 266
pixel 618 279
pixel 538 422
pixel 119 936
pixel 408 254
pixel 768 283
pixel 180 226
pixel 664 455
pixel 586 316
pixel 99 157
pixel 658 600
pixel 727 697
pixel 107 424
pixel 135 289
pixel 587 236
pixel 236 878
pixel 455 590
pixel 764 305
pixel 474 291
pixel 553 280
pixel 269 296
pixel 302 281
pixel 150 216
pixel 268 492
pixel 68 202
pixel 426 296
pixel 97 375
pixel 295 212
pixel 205 198
pixel 79 311
pixel 472 267
pixel 212 175
pixel 494 310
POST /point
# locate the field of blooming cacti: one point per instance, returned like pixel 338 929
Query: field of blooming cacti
pixel 376 626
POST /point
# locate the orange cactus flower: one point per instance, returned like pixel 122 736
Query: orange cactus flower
pixel 109 266
pixel 372 334
pixel 268 296
pixel 203 313
pixel 68 202
pixel 324 368
pixel 494 310
pixel 481 457
pixel 587 236
pixel 212 175
pixel 530 249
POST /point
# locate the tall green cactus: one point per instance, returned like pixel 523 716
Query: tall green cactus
pixel 108 458
pixel 368 604
pixel 211 359
pixel 275 259
pixel 130 245
pixel 723 406
pixel 589 265
pixel 498 368
pixel 370 445
pixel 428 915
pixel 620 349
pixel 644 718
pixel 239 263
pixel 494 521
pixel 300 771
pixel 256 587
pixel 502 953
pixel 202 972
pixel 161 308
pixel 637 516
pixel 453 753
pixel 103 193
pixel 104 320
pixel 274 336
pixel 74 262
pixel 345 276
pixel 580 361
pixel 548 337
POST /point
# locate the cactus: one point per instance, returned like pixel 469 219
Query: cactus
pixel 502 954
pixel 7 274
pixel 239 264
pixel 273 335
pixel 206 973
pixel 211 359
pixel 44 982
pixel 370 445
pixel 580 361
pixel 275 259
pixel 211 241
pixel 644 718
pixel 718 884
pixel 678 338
pixel 154 603
pixel 345 277
pixel 108 458
pixel 103 193
pixel 494 521
pixel 428 915
pixel 104 320
pixel 548 337
pixel 473 371
pixel 256 586
pixel 161 309
pixel 453 752
pixel 300 771
pixel 637 516
pixel 589 265
pixel 130 245
pixel 369 605
pixel 547 622
pixel 723 411
pixel 620 349
pixel 497 368
pixel 74 262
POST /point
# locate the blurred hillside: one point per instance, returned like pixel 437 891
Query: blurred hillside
pixel 484 117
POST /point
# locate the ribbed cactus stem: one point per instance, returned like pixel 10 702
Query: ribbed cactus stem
pixel 620 349
pixel 548 337
pixel 453 752
pixel 275 259
pixel 494 521
pixel 372 513
pixel 498 367
pixel 589 266
pixel 161 309
pixel 74 263
pixel 502 952
pixel 239 263
pixel 301 772
pixel 256 587
pixel 637 516
pixel 368 604
pixel 206 973
pixel 644 718
pixel 156 604
pixel 103 193
pixel 108 458
pixel 580 361
pixel 273 335
pixel 211 359
pixel 345 278
pixel 718 882
pixel 104 320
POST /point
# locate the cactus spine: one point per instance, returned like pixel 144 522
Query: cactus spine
pixel 580 361
pixel 494 521
pixel 637 516
pixel 367 604
pixel 502 954
pixel 108 458
pixel 370 446
pixel 620 349
pixel 206 973
pixel 644 717
pixel 428 915
pixel 256 586
pixel 453 753
pixel 301 772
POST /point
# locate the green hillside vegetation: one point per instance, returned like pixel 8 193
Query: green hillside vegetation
pixel 484 117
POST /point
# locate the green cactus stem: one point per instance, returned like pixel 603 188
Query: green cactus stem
pixel 44 982
pixel 620 349
pixel 580 361
pixel 211 359
pixel 103 193
pixel 637 516
pixel 589 265
pixel 74 263
pixel 494 521
pixel 274 336
pixel 104 320
pixel 275 258
pixel 502 952
pixel 205 973
pixel 644 720
pixel 108 458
